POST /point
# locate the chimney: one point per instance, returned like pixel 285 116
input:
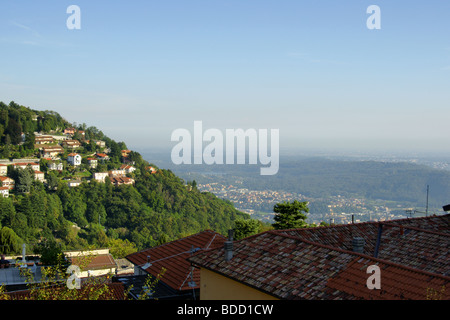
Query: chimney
pixel 229 246
pixel 358 244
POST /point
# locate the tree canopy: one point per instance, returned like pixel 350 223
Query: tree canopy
pixel 290 215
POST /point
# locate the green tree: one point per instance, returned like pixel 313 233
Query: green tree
pixel 14 130
pixel 51 252
pixel 24 179
pixel 121 248
pixel 9 241
pixel 7 211
pixel 246 227
pixel 52 181
pixel 290 215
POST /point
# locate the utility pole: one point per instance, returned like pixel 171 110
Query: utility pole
pixel 428 191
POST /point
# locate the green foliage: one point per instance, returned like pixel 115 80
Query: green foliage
pixel 121 248
pixel 54 284
pixel 290 215
pixel 9 241
pixel 246 227
pixel 51 253
pixel 150 284
pixel 24 178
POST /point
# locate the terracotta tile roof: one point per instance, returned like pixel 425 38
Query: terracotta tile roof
pixel 397 283
pixel 121 180
pixel 433 223
pixel 427 249
pixel 125 167
pixel 172 256
pixel 102 155
pixel 317 263
pixel 58 149
pixel 101 261
pixel 73 154
pixel 25 164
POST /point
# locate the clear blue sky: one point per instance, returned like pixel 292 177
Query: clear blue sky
pixel 140 69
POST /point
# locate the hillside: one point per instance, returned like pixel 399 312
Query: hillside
pixel 75 187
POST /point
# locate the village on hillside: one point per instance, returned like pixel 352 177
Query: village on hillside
pixel 73 158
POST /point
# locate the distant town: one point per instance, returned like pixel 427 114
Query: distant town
pixel 334 210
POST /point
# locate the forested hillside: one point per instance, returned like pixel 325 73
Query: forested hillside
pixel 158 206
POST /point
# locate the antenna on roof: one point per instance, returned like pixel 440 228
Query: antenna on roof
pixel 413 211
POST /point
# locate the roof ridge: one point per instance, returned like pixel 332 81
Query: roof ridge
pixel 362 223
pixel 174 241
pixel 393 225
pixel 362 255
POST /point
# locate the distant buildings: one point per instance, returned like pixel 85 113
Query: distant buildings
pixel 71 144
pixel 118 181
pixel 4 192
pixel 92 162
pixel 3 169
pixel 23 165
pixel 127 168
pixel 52 165
pixel 43 140
pixel 74 183
pixel 7 182
pixel 39 175
pixel 151 169
pixel 70 131
pixel 51 147
pixel 102 157
pixel 100 176
pixel 51 151
pixel 116 173
pixel 100 143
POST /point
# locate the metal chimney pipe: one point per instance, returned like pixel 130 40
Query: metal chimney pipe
pixel 228 246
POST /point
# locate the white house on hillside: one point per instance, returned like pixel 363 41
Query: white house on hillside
pixel 3 169
pixel 4 191
pixel 74 159
pixel 100 176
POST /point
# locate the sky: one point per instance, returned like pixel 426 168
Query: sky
pixel 138 70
